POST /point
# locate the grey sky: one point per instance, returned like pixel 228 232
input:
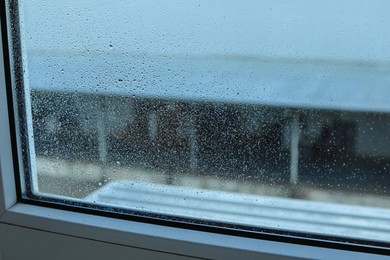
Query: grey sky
pixel 331 29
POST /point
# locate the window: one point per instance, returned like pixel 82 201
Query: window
pixel 232 118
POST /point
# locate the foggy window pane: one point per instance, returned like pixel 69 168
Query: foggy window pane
pixel 260 113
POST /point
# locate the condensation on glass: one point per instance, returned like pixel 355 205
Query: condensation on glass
pixel 261 113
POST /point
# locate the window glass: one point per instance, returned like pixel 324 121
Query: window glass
pixel 257 113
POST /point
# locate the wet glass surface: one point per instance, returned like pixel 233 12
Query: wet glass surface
pixel 285 99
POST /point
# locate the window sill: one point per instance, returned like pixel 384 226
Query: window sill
pixel 161 238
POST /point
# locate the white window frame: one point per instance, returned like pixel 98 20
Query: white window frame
pixel 132 234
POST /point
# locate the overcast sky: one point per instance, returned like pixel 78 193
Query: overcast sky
pixel 321 29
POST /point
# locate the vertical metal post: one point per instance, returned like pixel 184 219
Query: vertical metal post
pixel 153 125
pixel 193 145
pixel 102 131
pixel 294 150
